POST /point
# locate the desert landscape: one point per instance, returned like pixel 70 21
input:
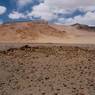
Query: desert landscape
pixel 38 58
pixel 47 70
pixel 42 32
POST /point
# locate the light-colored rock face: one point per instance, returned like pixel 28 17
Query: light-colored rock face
pixel 34 32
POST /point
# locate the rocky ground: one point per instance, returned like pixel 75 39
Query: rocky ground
pixel 40 70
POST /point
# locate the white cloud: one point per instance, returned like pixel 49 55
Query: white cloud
pixel 2 10
pixel 69 3
pixel 42 11
pixel 49 9
pixel 88 18
pixel 22 3
pixel 16 15
pixel 69 6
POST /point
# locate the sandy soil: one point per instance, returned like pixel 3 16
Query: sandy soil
pixel 43 70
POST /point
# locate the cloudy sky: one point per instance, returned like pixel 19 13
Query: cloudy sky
pixel 54 11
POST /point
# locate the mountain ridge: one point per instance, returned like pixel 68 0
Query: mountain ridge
pixel 43 32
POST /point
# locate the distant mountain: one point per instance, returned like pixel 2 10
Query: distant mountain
pixel 84 27
pixel 44 32
pixel 19 31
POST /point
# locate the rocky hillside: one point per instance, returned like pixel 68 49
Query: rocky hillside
pixel 28 30
pixel 84 27
pixel 42 32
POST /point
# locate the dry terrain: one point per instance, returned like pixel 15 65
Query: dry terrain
pixel 37 58
pixel 42 32
pixel 48 70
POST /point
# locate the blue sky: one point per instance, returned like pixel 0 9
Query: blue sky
pixel 55 11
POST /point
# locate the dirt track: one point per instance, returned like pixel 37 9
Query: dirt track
pixel 43 70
